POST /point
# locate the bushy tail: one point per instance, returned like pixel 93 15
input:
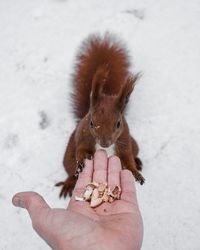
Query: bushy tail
pixel 95 52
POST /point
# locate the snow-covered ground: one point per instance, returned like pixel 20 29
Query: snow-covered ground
pixel 38 41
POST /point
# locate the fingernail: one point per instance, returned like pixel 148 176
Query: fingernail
pixel 17 202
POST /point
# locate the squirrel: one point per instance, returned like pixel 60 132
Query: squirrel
pixel 102 85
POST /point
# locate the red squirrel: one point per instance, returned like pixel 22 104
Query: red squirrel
pixel 102 85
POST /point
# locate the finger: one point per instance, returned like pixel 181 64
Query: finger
pixel 128 186
pixel 114 168
pixel 86 176
pixel 39 212
pixel 100 166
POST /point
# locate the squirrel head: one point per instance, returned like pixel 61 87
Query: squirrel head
pixel 106 118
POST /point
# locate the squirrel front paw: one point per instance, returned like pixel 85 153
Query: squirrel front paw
pixel 81 156
pixel 138 163
pixel 79 168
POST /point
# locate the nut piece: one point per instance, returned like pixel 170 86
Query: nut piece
pixel 102 187
pixel 94 184
pixel 105 196
pixel 110 199
pixel 79 198
pixel 89 190
pixel 88 193
pixel 109 191
pixel 96 202
pixel 114 192
pixel 95 194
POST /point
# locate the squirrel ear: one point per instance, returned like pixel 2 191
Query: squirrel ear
pixel 98 81
pixel 126 91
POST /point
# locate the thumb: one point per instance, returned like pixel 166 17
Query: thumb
pixel 31 201
pixel 38 210
pixel 35 205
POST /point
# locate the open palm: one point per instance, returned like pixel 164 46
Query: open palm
pixel 116 225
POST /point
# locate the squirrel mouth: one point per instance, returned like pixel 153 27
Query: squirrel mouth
pixel 105 144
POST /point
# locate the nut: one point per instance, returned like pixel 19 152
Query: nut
pixel 93 185
pixel 114 192
pixel 105 196
pixel 88 193
pixel 110 199
pixel 79 198
pixel 102 187
pixel 95 194
pixel 96 202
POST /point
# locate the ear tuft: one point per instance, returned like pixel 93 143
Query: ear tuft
pixel 126 91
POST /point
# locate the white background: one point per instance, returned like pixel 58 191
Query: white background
pixel 38 42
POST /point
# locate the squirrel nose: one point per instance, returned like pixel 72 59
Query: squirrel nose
pixel 105 144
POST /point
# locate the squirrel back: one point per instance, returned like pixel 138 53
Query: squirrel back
pixel 98 52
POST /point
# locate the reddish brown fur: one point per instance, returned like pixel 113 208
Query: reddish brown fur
pixel 96 52
pixel 102 86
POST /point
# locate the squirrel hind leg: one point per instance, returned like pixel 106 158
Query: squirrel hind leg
pixel 135 150
pixel 67 186
pixel 138 177
pixel 139 164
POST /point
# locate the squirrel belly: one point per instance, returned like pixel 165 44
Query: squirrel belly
pixel 102 85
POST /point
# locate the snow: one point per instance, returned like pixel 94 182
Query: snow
pixel 38 43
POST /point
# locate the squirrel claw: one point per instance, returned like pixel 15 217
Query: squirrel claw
pixel 140 179
pixel 61 183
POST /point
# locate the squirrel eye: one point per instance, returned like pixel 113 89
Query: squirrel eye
pixel 91 124
pixel 118 124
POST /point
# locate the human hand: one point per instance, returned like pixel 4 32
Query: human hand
pixel 116 225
